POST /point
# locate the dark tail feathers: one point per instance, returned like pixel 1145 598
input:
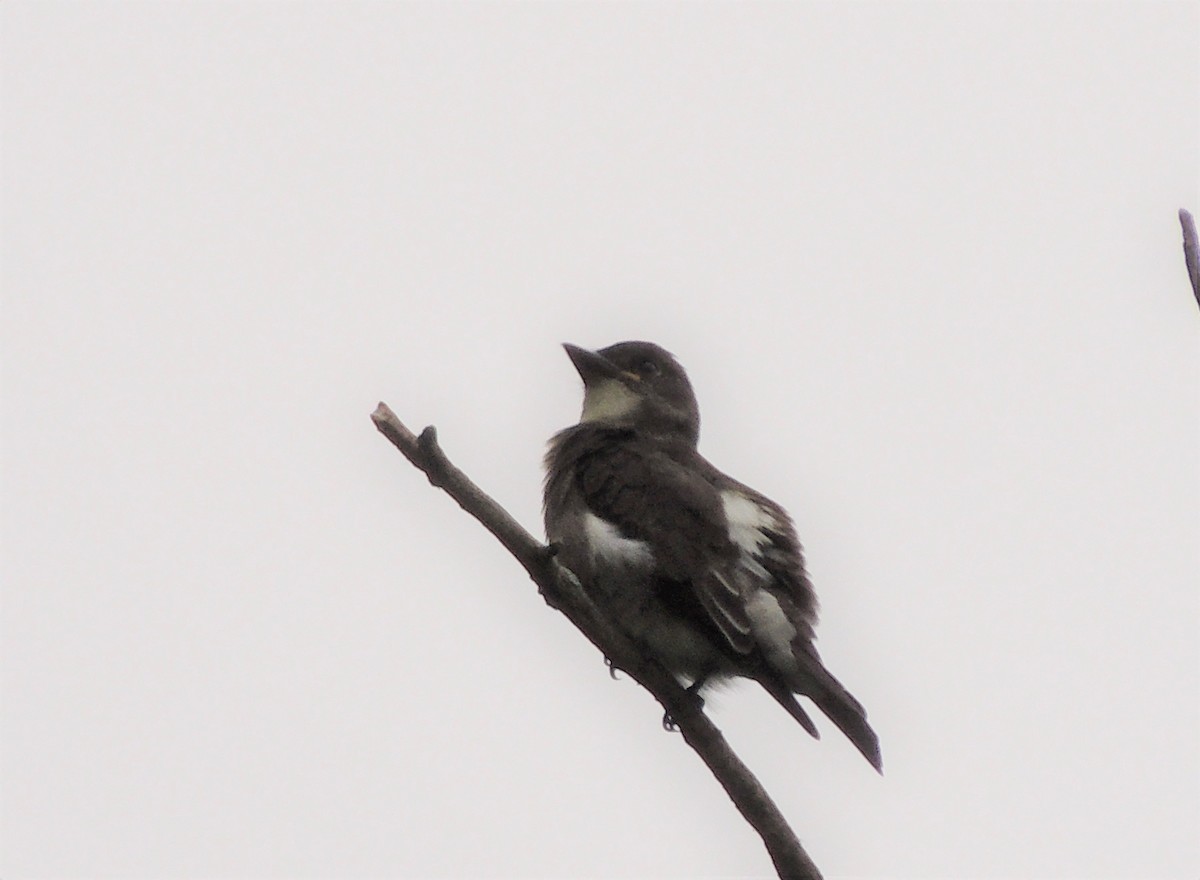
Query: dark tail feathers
pixel 850 717
pixel 838 705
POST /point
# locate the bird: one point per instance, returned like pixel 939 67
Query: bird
pixel 705 574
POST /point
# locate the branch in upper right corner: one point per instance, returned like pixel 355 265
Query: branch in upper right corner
pixel 1191 250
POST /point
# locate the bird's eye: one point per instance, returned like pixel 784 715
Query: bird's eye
pixel 648 368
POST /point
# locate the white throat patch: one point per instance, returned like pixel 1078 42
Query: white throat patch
pixel 608 401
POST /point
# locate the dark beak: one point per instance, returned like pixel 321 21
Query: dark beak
pixel 592 367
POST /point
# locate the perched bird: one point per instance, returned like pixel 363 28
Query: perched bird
pixel 702 571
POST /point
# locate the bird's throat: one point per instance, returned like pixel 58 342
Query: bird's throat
pixel 608 401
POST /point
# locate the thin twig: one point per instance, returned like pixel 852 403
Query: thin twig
pixel 562 590
pixel 1191 250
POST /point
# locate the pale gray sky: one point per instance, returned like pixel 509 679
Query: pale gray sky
pixel 922 263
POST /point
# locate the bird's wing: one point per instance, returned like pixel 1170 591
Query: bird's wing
pixel 660 500
pixel 781 608
pixel 767 539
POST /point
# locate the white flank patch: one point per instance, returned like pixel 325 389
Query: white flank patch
pixel 607 543
pixel 609 401
pixel 746 521
pixel 772 630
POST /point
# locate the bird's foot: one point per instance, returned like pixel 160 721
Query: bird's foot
pixel 693 691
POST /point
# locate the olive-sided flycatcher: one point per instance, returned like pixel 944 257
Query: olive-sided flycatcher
pixel 704 572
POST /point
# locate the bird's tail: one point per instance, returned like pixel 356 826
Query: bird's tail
pixel 843 710
pixel 783 695
pixel 834 700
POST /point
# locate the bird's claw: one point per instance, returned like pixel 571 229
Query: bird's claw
pixel 612 669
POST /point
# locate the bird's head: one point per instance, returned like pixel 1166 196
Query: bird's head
pixel 637 384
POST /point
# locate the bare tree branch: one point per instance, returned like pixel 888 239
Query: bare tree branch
pixel 1191 250
pixel 561 590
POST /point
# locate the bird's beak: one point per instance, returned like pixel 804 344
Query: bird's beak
pixel 592 367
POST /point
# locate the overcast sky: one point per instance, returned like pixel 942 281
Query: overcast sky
pixel 922 263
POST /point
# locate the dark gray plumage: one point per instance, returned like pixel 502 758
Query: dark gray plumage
pixel 702 570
